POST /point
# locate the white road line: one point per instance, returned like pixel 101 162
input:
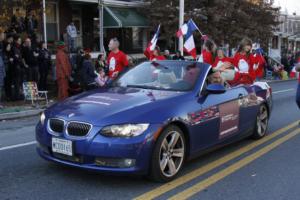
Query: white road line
pixel 17 145
pixel 282 91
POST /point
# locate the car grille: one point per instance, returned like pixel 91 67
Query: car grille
pixel 56 125
pixel 78 129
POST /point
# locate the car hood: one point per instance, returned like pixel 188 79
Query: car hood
pixel 113 106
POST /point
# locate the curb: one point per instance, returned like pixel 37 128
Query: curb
pixel 22 114
pixel 279 81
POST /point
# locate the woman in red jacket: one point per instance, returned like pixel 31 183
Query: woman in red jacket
pixel 243 61
pixel 208 52
pixel 154 55
pixel 259 63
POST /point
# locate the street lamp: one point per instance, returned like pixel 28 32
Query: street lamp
pixel 181 21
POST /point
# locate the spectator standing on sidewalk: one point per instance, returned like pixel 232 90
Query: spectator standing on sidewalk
pixel 167 55
pixel 2 66
pixel 178 56
pixel 88 71
pixel 72 35
pixel 16 69
pixel 117 60
pixel 44 60
pixel 30 56
pixel 101 64
pixel 63 71
pixel 76 63
pixel 9 54
pixel 31 26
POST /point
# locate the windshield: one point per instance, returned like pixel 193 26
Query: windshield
pixel 174 76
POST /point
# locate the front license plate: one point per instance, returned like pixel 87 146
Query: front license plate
pixel 62 146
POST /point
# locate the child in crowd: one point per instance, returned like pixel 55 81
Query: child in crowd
pixel 101 78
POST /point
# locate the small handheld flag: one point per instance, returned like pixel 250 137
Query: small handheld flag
pixel 189 45
pixel 152 44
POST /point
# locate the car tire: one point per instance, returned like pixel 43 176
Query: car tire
pixel 261 123
pixel 169 155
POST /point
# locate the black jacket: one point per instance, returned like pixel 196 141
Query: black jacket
pixel 88 72
pixel 44 59
pixel 29 57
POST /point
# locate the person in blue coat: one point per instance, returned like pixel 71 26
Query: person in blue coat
pixel 88 72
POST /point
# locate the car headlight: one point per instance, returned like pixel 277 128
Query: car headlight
pixel 42 118
pixel 126 130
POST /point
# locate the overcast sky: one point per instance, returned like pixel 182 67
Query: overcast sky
pixel 291 5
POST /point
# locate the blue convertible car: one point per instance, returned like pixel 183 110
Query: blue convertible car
pixel 152 119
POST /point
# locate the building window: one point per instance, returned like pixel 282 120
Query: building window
pixel 52 21
pixel 137 38
pixel 275 42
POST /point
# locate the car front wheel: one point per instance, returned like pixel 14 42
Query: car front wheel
pixel 169 155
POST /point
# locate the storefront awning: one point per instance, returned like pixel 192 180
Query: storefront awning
pixel 115 17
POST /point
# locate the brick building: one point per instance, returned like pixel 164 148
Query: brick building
pixel 122 19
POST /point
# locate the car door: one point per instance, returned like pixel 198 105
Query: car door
pixel 218 119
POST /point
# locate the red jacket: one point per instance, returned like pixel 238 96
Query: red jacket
pixel 151 57
pixel 63 66
pixel 207 57
pixel 246 73
pixel 259 60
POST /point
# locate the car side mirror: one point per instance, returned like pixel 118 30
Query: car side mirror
pixel 215 89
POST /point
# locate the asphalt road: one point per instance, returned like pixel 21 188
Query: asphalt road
pixel 265 169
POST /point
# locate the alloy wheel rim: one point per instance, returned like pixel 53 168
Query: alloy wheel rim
pixel 262 121
pixel 171 154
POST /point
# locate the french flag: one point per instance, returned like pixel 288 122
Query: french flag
pixel 189 45
pixel 152 44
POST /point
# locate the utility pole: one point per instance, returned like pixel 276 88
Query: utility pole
pixel 100 8
pixel 181 21
pixel 45 22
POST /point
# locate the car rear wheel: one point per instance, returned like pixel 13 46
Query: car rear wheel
pixel 169 155
pixel 262 121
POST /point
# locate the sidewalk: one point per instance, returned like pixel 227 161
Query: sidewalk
pixel 276 81
pixel 16 110
pixel 19 109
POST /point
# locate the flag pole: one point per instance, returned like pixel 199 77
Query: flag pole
pixel 197 28
pixel 181 21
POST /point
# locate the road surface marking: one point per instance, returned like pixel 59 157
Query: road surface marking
pixel 232 168
pixel 210 166
pixel 282 91
pixel 17 145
